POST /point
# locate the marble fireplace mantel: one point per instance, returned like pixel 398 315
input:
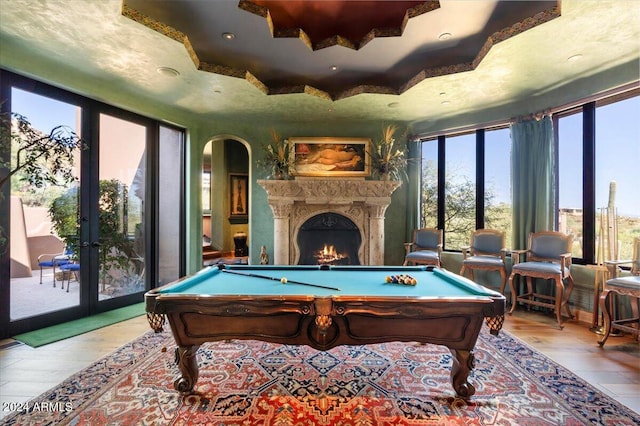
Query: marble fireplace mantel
pixel 295 201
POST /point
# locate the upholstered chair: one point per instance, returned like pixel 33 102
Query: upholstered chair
pixel 53 260
pixel 425 249
pixel 548 257
pixel 623 286
pixel 487 252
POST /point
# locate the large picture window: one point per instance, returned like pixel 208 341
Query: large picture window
pixel 617 134
pixel 477 194
pixel 597 153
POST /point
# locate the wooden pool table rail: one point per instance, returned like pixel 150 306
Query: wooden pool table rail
pixel 326 322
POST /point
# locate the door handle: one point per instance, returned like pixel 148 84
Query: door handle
pixel 96 244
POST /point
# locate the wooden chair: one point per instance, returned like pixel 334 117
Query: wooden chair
pixel 628 286
pixel 425 249
pixel 549 258
pixel 635 262
pixel 486 252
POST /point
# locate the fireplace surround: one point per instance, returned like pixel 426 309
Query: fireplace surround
pixel 363 202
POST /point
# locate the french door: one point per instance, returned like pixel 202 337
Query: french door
pixel 91 244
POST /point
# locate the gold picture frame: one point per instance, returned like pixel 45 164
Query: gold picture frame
pixel 330 157
pixel 238 197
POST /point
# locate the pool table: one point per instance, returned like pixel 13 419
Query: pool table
pixel 324 307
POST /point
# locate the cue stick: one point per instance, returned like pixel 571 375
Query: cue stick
pixel 266 277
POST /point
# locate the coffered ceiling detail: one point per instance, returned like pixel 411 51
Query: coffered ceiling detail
pixel 337 49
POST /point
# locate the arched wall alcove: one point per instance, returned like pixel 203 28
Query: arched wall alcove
pixel 226 200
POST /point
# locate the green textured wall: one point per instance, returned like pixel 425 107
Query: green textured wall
pixel 254 131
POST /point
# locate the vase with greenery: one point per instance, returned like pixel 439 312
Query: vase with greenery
pixel 388 157
pixel 276 162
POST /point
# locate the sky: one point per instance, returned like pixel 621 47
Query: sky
pixel 43 113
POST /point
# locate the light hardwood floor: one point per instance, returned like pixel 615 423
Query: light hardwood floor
pixel 26 372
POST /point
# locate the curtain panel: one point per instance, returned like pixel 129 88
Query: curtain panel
pixel 533 184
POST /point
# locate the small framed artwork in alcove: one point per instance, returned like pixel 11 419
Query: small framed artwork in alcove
pixel 238 197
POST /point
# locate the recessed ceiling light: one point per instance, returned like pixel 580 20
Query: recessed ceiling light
pixel 394 105
pixel 445 102
pixel 168 72
pixel 443 93
pixel 444 36
pixel 575 57
pixel 333 68
pixel 228 36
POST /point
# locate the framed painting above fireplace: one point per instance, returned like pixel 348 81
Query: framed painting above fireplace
pixel 330 157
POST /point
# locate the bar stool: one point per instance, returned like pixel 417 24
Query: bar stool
pixel 628 286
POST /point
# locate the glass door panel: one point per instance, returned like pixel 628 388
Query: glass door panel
pixel 44 220
pixel 169 204
pixel 121 207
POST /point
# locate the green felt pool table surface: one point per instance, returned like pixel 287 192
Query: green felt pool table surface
pixel 350 280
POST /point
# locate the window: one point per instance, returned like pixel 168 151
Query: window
pixel 617 159
pixel 497 181
pixel 570 172
pixel 460 190
pixel 598 153
pixel 429 199
pixel 474 196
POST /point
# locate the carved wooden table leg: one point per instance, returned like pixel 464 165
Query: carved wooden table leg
pixel 463 363
pixel 187 360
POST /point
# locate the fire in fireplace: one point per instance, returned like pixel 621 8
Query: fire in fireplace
pixel 329 239
pixel 329 256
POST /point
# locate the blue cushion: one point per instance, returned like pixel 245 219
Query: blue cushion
pixel 549 246
pixel 487 243
pixel 52 263
pixel 70 267
pixel 422 255
pixel 484 260
pixel 541 267
pixel 632 282
pixel 427 239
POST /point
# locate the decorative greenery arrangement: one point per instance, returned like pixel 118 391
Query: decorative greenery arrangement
pixel 388 158
pixel 276 160
pixel 34 157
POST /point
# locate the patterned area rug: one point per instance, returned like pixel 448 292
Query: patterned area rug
pixel 257 383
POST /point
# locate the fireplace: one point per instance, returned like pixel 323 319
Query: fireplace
pixel 362 203
pixel 329 239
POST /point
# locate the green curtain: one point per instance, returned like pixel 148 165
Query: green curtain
pixel 533 186
pixel 414 172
